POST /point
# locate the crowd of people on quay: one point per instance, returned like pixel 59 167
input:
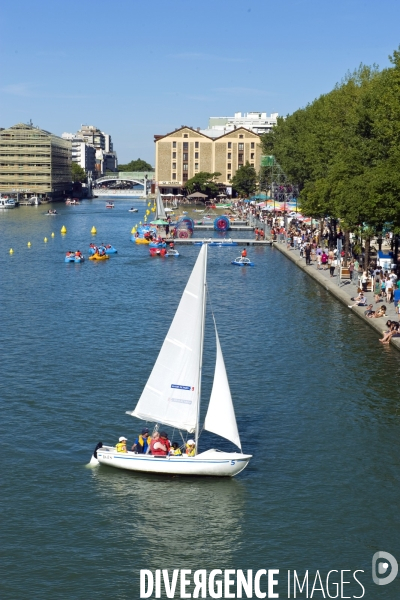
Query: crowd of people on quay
pixel 158 444
pixel 315 245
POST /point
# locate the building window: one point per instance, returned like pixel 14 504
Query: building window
pixel 185 166
pixel 240 158
pixel 252 165
pixel 196 166
pixel 229 144
pixel 196 155
pixel 241 146
pixel 185 135
pixel 196 144
pixel 252 145
pixel 229 155
pixel 241 136
pixel 229 166
pixel 174 155
pixel 173 175
pixel 252 156
pixel 185 177
pixel 229 176
pixel 174 144
pixel 185 145
pixel 185 156
pixel 174 166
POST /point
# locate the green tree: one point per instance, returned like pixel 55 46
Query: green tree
pixel 78 174
pixel 244 182
pixel 136 165
pixel 203 182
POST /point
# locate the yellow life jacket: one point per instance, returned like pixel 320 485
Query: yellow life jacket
pixel 190 450
pixel 121 447
pixel 176 452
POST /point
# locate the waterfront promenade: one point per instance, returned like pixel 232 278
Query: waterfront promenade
pixel 343 290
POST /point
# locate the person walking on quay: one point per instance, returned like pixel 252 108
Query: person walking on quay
pixel 377 290
pixel 307 252
pixel 351 269
pixel 256 233
pixel 364 281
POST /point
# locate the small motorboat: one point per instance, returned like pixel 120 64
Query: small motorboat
pixel 133 209
pixel 110 205
pixel 241 261
pixel 72 257
pixel 99 257
pixel 172 252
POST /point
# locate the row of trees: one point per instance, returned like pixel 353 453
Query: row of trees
pixel 244 182
pixel 343 151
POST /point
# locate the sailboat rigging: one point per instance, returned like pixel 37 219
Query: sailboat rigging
pixel 172 393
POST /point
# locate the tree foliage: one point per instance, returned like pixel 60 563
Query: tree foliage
pixel 78 174
pixel 136 165
pixel 244 182
pixel 343 149
pixel 203 182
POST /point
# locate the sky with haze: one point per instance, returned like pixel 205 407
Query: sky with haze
pixel 135 69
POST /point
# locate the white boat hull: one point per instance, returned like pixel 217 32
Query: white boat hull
pixel 211 463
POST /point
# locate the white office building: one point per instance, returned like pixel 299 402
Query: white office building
pixel 257 122
pixel 82 153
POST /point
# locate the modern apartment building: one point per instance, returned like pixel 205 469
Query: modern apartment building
pixel 106 158
pixel 82 153
pixel 34 162
pixel 186 151
pixel 257 122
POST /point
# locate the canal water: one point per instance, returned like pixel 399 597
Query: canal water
pixel 316 399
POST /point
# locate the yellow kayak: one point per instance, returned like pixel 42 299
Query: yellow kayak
pixel 141 241
pixel 98 257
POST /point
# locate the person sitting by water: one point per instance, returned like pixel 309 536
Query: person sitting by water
pixel 359 300
pixel 142 443
pixel 175 450
pixel 121 446
pixel 369 311
pixel 381 312
pixel 393 331
pixel 160 445
pixel 244 253
pixel 190 448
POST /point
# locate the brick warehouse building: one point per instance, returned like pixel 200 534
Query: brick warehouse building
pixel 186 151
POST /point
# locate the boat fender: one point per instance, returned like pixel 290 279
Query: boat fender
pixel 99 445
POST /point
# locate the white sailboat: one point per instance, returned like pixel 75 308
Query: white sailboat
pixel 160 210
pixel 172 395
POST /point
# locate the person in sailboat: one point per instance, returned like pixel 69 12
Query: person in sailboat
pixel 142 443
pixel 121 446
pixel 160 445
pixel 175 450
pixel 190 448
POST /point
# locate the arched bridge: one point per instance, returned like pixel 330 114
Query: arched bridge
pixel 132 184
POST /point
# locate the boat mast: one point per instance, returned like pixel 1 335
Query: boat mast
pixel 196 439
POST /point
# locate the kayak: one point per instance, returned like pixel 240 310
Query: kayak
pixel 98 257
pixel 133 210
pixel 240 261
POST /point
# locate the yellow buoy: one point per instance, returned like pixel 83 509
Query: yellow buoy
pixel 45 240
pixel 63 229
pixel 29 244
pixel 133 230
pixel 52 235
pixel 93 230
pixel 11 251
pixel 149 204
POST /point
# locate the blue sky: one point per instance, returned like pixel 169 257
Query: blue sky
pixel 135 69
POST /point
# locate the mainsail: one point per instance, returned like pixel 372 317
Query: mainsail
pixel 172 393
pixel 160 210
pixel 220 417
